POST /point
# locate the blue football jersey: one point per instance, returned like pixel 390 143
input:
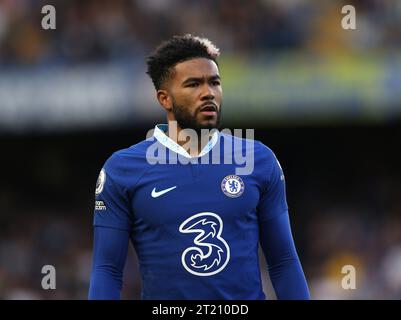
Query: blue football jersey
pixel 195 223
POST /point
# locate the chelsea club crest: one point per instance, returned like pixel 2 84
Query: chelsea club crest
pixel 232 186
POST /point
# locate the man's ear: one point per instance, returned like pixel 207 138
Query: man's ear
pixel 164 99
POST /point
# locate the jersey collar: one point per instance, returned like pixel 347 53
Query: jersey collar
pixel 161 136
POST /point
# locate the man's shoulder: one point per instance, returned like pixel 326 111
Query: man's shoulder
pixel 136 150
pixel 258 148
pixel 131 158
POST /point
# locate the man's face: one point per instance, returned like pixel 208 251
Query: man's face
pixel 196 94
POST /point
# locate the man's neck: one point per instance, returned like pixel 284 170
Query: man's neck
pixel 190 140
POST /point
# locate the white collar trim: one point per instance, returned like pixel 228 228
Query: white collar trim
pixel 161 136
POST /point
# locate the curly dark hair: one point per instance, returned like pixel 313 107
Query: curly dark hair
pixel 175 50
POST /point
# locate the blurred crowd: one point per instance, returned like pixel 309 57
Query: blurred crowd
pixel 105 30
pixel 345 237
pixel 38 239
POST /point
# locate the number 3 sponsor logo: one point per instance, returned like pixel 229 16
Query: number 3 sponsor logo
pixel 210 253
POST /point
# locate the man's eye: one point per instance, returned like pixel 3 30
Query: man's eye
pixel 216 83
pixel 193 85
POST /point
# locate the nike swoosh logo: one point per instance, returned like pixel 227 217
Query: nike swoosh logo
pixel 156 194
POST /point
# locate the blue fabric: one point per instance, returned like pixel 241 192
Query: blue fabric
pixel 199 239
pixel 282 259
pixel 109 255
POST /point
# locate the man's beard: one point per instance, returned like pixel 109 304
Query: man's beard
pixel 186 120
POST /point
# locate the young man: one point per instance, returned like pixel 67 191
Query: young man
pixel 194 221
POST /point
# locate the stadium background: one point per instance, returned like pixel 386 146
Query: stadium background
pixel 326 100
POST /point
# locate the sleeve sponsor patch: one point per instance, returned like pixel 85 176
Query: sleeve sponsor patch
pixel 100 182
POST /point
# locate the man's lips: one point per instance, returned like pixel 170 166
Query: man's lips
pixel 209 109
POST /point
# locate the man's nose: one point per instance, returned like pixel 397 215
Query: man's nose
pixel 207 93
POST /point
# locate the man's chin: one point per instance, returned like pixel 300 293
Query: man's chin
pixel 200 124
pixel 208 125
pixel 211 123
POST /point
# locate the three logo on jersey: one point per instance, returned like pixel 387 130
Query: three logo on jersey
pixel 210 253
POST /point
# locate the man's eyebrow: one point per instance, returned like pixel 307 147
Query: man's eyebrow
pixel 200 79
